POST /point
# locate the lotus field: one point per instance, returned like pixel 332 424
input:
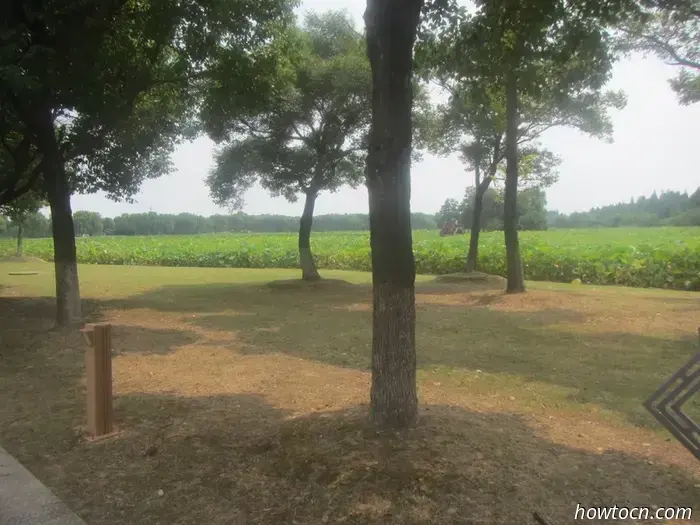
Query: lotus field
pixel 641 257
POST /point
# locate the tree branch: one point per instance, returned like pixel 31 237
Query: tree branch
pixel 663 47
pixel 12 193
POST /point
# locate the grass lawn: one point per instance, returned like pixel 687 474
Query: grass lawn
pixel 250 398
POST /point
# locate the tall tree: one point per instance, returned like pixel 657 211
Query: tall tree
pixel 669 29
pixel 95 93
pixel 311 137
pixel 474 121
pixel 525 63
pixel 391 27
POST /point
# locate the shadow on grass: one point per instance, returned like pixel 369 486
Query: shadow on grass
pixel 236 459
pixel 42 373
pixel 615 369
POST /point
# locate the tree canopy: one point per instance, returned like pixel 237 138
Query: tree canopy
pixel 96 94
pixel 669 29
pixel 312 134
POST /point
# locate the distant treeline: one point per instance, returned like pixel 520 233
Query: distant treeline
pixel 670 208
pixel 92 223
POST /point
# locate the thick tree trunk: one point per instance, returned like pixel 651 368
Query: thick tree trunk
pixel 308 267
pixel 68 311
pixel 515 283
pixel 391 32
pixel 20 238
pixel 58 192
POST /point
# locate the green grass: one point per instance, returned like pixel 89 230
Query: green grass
pixel 640 257
pixel 254 396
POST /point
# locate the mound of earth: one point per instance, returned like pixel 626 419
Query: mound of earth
pixel 477 278
pixel 300 284
pixel 15 259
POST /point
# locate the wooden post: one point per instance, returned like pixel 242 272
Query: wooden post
pixel 98 371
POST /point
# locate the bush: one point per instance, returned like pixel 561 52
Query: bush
pixel 643 257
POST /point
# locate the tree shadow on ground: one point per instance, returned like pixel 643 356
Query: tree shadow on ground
pixel 42 374
pixel 617 370
pixel 467 332
pixel 236 459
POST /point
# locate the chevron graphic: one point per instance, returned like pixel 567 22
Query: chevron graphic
pixel 666 404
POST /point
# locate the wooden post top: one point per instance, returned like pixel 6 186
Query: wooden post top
pixel 88 331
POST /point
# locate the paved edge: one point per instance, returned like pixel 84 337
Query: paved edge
pixel 24 500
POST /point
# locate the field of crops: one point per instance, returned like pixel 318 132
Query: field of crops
pixel 642 257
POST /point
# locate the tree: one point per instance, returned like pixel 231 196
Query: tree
pixel 518 69
pixel 108 225
pixel 532 212
pixel 18 211
pixel 87 223
pixel 391 27
pixel 449 212
pixel 474 121
pixel 96 94
pixel 311 137
pixel 491 213
pixel 669 29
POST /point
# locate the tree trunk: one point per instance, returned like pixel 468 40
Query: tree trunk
pixel 391 32
pixel 58 192
pixel 20 237
pixel 515 281
pixel 473 253
pixel 308 267
pixel 68 311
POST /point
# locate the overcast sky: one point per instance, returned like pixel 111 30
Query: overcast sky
pixel 656 147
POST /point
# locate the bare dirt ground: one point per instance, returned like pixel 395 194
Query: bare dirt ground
pixel 245 403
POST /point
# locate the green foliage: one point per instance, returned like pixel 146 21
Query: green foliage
pixel 670 208
pixel 449 211
pixel 312 134
pixel 560 83
pixel 118 83
pixel 37 224
pixel 531 209
pixel 671 31
pixel 22 207
pixel 183 223
pixel 87 223
pixel 659 257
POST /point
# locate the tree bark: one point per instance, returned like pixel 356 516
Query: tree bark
pixel 20 237
pixel 473 253
pixel 391 32
pixel 308 267
pixel 58 192
pixel 515 280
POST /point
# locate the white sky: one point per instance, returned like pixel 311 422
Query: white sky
pixel 656 147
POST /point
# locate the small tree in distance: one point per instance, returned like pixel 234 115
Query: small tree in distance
pixel 18 211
